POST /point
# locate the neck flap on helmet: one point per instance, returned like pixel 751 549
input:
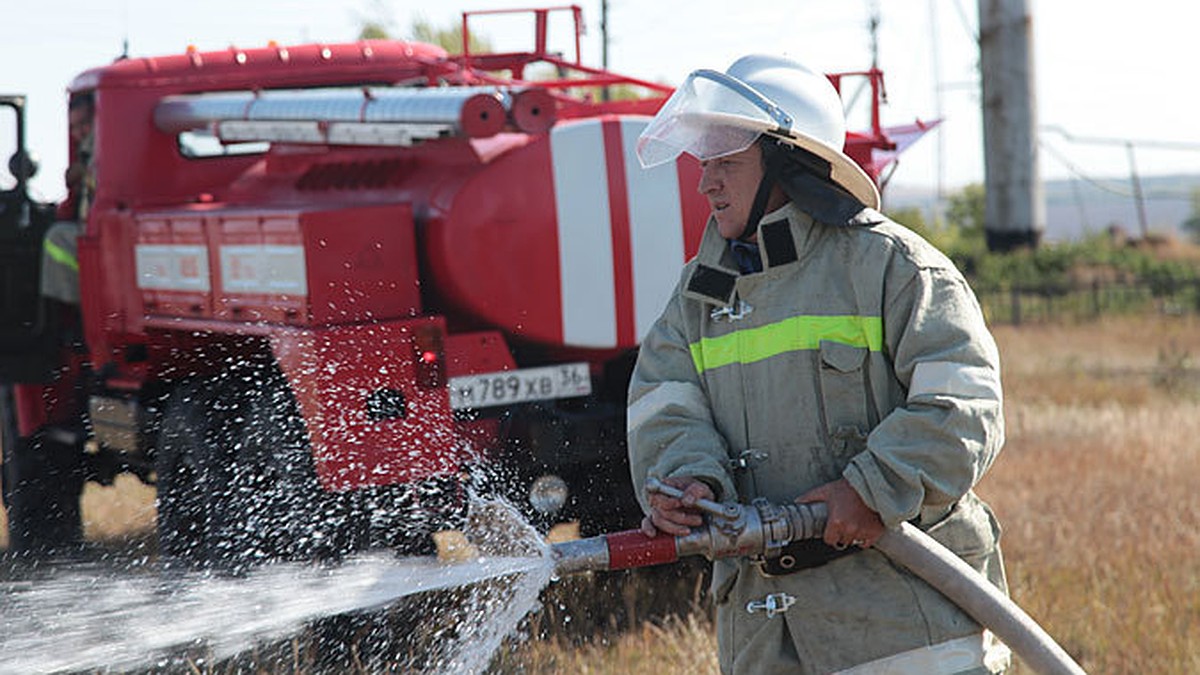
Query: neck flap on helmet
pixel 807 181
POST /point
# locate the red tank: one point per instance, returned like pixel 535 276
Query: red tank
pixel 564 240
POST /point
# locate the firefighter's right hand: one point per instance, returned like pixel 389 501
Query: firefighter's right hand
pixel 672 516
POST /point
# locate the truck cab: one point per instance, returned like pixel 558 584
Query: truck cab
pixel 40 426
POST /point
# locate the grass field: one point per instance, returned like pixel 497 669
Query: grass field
pixel 1096 489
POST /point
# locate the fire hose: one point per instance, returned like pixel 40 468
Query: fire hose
pixel 762 531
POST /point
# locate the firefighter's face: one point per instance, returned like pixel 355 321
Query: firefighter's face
pixel 730 183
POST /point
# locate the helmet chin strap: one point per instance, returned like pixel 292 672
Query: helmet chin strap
pixel 806 180
pixel 758 209
pixel 773 161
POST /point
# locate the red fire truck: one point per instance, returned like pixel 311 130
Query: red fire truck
pixel 326 288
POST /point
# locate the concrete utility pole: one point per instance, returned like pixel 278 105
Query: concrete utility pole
pixel 1015 211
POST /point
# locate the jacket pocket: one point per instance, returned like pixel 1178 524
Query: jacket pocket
pixel 844 388
pixel 725 575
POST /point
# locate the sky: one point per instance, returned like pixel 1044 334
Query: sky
pixel 1104 72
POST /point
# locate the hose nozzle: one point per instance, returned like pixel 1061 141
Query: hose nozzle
pixel 759 530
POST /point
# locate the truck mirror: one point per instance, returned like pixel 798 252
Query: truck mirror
pixel 22 165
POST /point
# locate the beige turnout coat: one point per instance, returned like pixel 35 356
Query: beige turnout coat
pixel 859 352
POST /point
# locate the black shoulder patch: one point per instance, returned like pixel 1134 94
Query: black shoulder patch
pixel 712 283
pixel 778 242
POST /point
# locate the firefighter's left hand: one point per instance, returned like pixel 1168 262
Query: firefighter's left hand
pixel 851 521
pixel 676 517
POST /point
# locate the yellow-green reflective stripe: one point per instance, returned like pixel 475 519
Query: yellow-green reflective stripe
pixel 798 333
pixel 61 255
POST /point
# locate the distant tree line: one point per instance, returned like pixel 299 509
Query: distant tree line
pixel 1098 274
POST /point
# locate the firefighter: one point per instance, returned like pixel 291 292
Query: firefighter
pixel 815 350
pixel 60 265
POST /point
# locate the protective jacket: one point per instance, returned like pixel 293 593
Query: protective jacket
pixel 858 352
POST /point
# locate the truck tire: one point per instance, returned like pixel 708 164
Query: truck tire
pixel 184 472
pixel 43 480
pixel 236 484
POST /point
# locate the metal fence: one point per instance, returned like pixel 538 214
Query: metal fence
pixel 1033 304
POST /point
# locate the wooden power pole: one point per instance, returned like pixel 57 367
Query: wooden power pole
pixel 1015 211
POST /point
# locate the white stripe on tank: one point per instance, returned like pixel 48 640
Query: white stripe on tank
pixel 585 255
pixel 655 229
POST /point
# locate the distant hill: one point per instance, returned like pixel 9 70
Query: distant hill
pixel 1076 207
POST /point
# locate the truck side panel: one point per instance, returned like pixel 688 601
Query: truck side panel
pixel 370 421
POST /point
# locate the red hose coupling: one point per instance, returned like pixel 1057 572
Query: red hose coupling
pixel 632 548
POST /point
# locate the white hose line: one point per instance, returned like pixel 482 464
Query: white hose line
pixel 978 597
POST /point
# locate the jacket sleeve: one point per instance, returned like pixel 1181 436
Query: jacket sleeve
pixel 670 426
pixel 934 447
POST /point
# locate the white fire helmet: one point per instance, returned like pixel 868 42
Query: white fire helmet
pixel 714 114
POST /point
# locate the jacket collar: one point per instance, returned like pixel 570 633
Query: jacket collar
pixel 782 237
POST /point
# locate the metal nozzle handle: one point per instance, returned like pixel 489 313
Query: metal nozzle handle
pixel 707 505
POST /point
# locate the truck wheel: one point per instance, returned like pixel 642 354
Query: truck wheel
pixel 43 480
pixel 236 484
pixel 186 473
pixel 275 500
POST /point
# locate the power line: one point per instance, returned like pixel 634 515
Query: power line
pixel 1080 174
pixel 1100 184
pixel 935 59
pixel 1138 197
pixel 1108 140
pixel 966 22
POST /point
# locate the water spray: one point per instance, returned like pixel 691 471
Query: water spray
pixel 762 531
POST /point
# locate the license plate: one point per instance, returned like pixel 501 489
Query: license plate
pixel 518 386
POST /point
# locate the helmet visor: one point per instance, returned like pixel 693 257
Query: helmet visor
pixel 710 115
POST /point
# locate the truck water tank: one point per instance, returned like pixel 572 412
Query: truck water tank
pixel 566 240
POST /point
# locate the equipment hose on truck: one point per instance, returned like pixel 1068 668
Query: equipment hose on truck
pixel 763 531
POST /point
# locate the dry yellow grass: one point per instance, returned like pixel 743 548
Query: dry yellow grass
pixel 126 507
pixel 677 645
pixel 1097 489
pixel 118 511
pixel 1101 534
